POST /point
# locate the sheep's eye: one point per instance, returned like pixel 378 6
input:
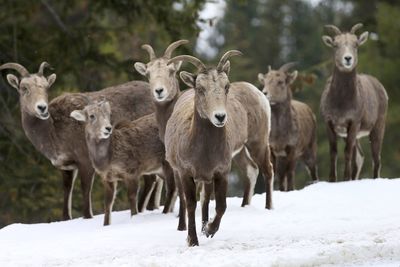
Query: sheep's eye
pixel 24 90
pixel 92 117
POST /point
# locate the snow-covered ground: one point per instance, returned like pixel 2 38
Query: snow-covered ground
pixel 344 224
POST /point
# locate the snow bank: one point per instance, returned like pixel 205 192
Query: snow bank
pixel 347 224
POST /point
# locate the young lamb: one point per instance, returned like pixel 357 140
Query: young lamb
pixel 293 127
pixel 353 105
pixel 211 123
pixel 61 139
pixel 127 152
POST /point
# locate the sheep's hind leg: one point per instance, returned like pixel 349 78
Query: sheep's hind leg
pixel 68 185
pixel 248 168
pixel 358 161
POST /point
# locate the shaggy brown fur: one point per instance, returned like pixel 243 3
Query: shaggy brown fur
pixel 208 125
pixel 293 127
pixel 165 88
pixel 60 138
pixel 132 150
pixel 353 105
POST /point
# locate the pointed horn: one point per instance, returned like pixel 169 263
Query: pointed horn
pixel 149 50
pixel 191 59
pixel 226 56
pixel 42 66
pixel 172 47
pixel 15 66
pixel 287 66
pixel 334 29
pixel 269 68
pixel 88 100
pixel 355 28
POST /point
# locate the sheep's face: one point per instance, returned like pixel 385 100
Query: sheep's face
pixel 162 78
pixel 211 87
pixel 346 49
pixel 97 120
pixel 33 95
pixel 277 85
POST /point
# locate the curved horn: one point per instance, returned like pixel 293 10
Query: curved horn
pixel 287 66
pixel 15 66
pixel 333 28
pixel 226 56
pixel 355 28
pixel 172 47
pixel 191 59
pixel 149 50
pixel 42 66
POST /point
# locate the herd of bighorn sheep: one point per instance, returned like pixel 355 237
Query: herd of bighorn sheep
pixel 188 140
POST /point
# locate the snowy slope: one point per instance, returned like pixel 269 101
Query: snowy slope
pixel 345 224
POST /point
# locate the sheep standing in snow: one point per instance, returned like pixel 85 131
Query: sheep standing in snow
pixel 293 127
pixel 209 125
pixel 127 152
pixel 353 105
pixel 61 139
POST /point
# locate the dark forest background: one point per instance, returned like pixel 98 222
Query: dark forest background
pixel 93 44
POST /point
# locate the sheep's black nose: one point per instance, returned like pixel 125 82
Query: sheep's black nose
pixel 159 90
pixel 42 108
pixel 108 128
pixel 220 117
pixel 348 58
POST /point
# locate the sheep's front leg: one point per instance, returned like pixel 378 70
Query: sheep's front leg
pixel 281 167
pixel 132 186
pixel 205 203
pixel 110 189
pixel 291 165
pixel 348 150
pixel 170 188
pixel 332 151
pixel 220 188
pixel 190 195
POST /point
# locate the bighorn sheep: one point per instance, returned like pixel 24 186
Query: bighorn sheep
pixel 126 153
pixel 60 138
pixel 293 127
pixel 211 123
pixel 353 105
pixel 165 90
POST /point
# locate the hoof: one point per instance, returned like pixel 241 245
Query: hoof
pixel 203 227
pixel 182 228
pixel 209 230
pixel 192 242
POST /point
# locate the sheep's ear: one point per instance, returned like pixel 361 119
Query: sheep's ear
pixel 261 78
pixel 141 68
pixel 51 79
pixel 363 38
pixel 187 78
pixel 13 81
pixel 78 115
pixel 328 40
pixel 292 77
pixel 227 67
